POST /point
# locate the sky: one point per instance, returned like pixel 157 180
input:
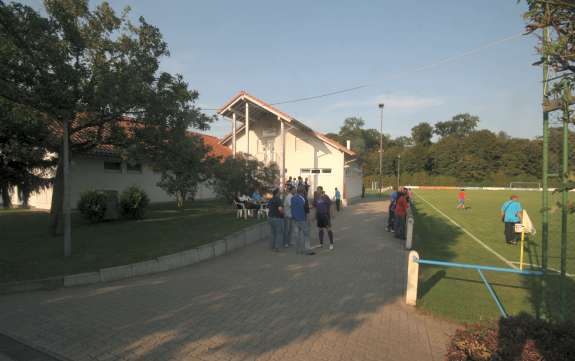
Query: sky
pixel 282 50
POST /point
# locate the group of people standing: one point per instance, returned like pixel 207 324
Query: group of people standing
pixel 398 206
pixel 289 218
pixel 297 183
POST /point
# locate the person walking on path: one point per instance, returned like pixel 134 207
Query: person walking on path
pixel 401 207
pixel 323 208
pixel 337 199
pixel 300 225
pixel 288 222
pixel 511 213
pixel 275 220
pixel 461 199
pixel 391 212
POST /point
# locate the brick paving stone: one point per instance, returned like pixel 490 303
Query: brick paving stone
pixel 254 304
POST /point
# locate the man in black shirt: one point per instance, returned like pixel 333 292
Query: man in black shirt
pixel 276 220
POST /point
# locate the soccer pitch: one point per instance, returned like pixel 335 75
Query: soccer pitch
pixel 478 238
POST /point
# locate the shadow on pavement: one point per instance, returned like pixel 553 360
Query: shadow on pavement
pixel 247 304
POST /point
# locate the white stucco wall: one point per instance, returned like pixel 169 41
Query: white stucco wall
pixel 353 182
pixel 303 151
pixel 89 174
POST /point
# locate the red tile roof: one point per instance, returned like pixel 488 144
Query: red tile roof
pixel 108 150
pixel 218 149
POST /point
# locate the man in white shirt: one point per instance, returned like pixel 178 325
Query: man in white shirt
pixel 288 221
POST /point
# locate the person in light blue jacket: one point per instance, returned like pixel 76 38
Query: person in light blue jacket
pixel 511 214
pixel 299 219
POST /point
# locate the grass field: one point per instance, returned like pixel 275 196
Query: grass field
pixel 28 251
pixel 459 294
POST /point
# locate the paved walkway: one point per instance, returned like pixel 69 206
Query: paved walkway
pixel 251 305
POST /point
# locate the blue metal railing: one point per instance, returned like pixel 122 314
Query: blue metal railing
pixel 479 269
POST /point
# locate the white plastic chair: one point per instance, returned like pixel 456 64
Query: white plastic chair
pixel 263 211
pixel 241 211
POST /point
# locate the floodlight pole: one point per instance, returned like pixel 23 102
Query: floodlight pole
pixel 380 148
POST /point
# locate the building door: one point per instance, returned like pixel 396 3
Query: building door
pixel 269 150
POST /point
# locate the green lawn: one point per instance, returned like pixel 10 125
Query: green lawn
pixel 459 294
pixel 28 251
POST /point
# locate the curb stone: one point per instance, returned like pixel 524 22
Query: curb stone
pixel 230 243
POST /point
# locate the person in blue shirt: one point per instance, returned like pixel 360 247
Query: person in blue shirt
pixel 511 213
pixel 256 196
pixel 337 199
pixel 299 219
pixel 391 211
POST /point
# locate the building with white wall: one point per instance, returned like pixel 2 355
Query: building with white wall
pixel 103 169
pixel 270 135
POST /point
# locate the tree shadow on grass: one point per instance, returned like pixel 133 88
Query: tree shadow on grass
pixel 544 292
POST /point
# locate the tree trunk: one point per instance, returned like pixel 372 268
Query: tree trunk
pixel 6 200
pixel 56 209
pixel 179 200
pixel 25 191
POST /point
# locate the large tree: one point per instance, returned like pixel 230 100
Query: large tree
pixel 243 175
pixel 422 134
pixel 93 68
pixel 460 125
pixel 183 162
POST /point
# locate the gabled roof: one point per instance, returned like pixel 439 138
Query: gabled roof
pixel 243 95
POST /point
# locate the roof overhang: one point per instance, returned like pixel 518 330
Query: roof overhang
pixel 259 109
pixel 236 106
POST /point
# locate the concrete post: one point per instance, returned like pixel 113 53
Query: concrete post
pixel 283 163
pixel 409 233
pixel 234 135
pixel 247 117
pixel 412 278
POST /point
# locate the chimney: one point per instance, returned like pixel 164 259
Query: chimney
pixel 348 146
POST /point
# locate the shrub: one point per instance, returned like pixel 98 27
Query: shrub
pixel 133 202
pixel 92 205
pixel 520 338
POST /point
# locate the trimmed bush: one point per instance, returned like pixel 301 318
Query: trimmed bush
pixel 92 205
pixel 133 202
pixel 519 338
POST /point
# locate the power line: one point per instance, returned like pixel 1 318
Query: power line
pixel 400 74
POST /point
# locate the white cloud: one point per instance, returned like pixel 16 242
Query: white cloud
pixel 408 102
pixel 391 101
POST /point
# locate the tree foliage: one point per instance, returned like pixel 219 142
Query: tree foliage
pixel 243 175
pixel 91 67
pixel 183 162
pixel 462 153
pixel 460 125
pixel 422 134
pixel 24 159
pixel 559 17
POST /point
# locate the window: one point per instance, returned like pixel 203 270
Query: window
pixel 348 172
pixel 326 170
pixel 305 171
pixel 134 168
pixel 315 171
pixel 113 167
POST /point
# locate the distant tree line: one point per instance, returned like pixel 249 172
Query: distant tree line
pixel 452 152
